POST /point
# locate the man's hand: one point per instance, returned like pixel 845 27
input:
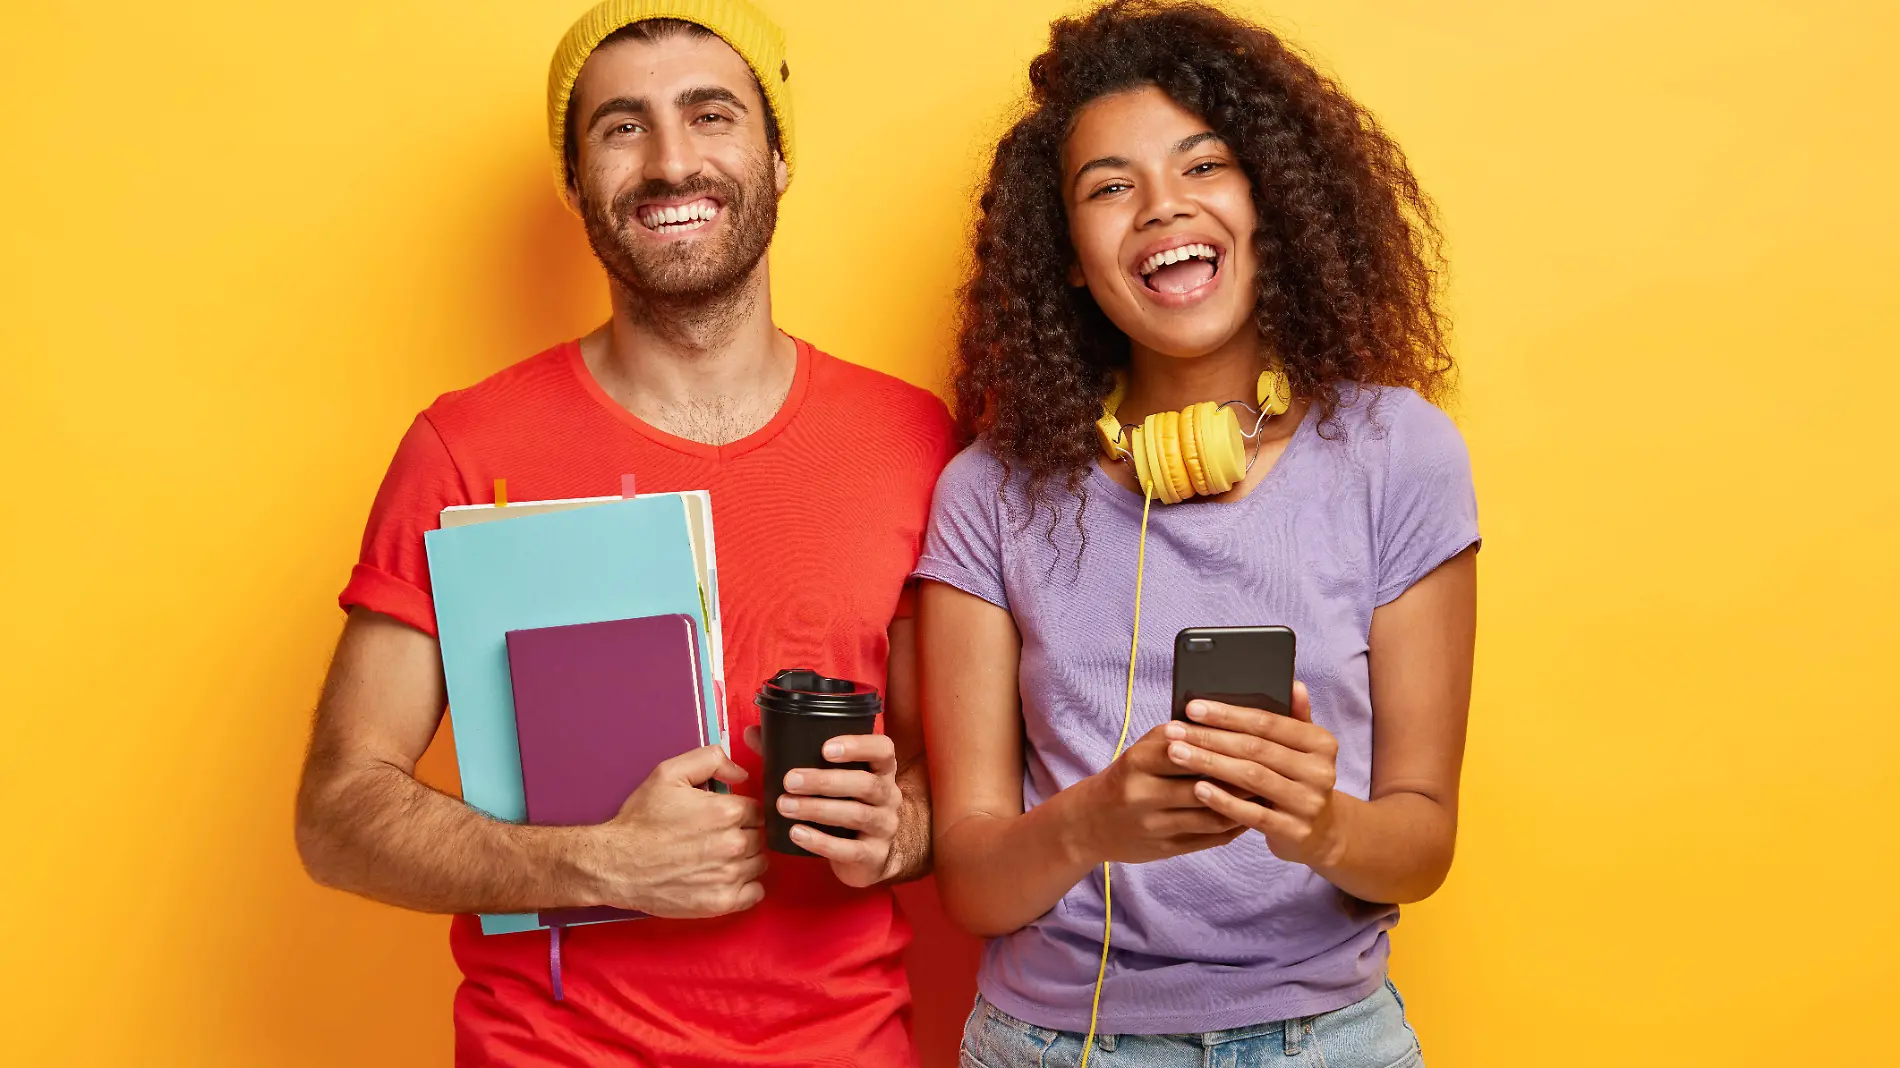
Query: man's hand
pixel 867 802
pixel 679 851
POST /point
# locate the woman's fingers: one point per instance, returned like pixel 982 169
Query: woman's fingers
pixel 1196 843
pixel 1290 731
pixel 1270 822
pixel 1149 754
pixel 1197 747
pixel 1289 795
pixel 1187 822
pixel 1302 702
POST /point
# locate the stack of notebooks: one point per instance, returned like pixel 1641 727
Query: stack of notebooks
pixel 581 646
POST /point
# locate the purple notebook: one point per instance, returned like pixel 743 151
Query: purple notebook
pixel 597 707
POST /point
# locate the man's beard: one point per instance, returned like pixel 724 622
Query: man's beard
pixel 694 272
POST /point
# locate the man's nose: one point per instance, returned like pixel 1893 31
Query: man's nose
pixel 674 157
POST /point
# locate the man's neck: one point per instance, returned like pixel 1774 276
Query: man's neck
pixel 712 371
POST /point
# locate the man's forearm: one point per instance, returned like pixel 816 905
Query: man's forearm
pixel 374 830
pixel 910 847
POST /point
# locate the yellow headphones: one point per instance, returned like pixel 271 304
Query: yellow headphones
pixel 1198 450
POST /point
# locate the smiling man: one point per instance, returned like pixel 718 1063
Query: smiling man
pixel 672 134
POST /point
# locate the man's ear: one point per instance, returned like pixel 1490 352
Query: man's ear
pixel 781 174
pixel 573 196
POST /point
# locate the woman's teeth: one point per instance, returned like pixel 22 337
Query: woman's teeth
pixel 676 219
pixel 1176 255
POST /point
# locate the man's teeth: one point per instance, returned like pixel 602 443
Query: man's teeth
pixel 1176 255
pixel 683 217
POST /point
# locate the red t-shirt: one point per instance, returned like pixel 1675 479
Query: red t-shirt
pixel 818 517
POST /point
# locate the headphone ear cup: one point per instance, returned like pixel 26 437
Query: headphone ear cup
pixel 1110 430
pixel 1211 443
pixel 1276 392
pixel 1138 448
pixel 1173 455
pixel 1157 485
pixel 1229 448
pixel 1191 448
pixel 1157 467
pixel 1207 443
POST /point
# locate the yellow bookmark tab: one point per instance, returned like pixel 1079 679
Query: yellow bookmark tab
pixel 501 493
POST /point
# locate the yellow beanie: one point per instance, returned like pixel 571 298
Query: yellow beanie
pixel 756 38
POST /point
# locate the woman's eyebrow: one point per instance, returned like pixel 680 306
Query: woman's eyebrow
pixel 1192 141
pixel 1186 144
pixel 1102 163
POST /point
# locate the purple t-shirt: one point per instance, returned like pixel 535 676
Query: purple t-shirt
pixel 1351 515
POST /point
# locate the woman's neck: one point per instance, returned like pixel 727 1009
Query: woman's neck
pixel 1161 383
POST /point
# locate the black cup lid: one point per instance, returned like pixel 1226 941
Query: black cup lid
pixel 807 692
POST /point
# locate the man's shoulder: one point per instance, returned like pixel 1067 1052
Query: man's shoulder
pixel 841 379
pixel 856 391
pixel 885 424
pixel 506 396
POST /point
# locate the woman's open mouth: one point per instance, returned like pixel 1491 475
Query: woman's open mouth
pixel 1181 270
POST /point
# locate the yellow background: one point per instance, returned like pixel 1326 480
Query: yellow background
pixel 243 243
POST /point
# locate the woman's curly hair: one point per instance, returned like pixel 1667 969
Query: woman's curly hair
pixel 1347 243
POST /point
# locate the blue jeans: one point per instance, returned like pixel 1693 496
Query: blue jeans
pixel 1371 1033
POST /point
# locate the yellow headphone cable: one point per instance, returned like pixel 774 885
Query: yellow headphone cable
pixel 1176 455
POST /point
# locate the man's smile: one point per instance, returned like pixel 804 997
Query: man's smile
pixel 667 219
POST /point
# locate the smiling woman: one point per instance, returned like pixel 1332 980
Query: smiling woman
pixel 1189 221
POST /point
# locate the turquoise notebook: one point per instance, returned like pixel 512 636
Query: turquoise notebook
pixel 615 560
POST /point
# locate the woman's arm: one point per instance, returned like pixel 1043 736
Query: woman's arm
pixel 1396 846
pixel 1399 842
pixel 973 737
pixel 998 867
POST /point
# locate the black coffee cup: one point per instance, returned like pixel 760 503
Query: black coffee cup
pixel 799 711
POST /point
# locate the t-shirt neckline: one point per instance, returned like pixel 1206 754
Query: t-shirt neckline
pixel 794 399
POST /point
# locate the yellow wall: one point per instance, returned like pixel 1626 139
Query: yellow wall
pixel 243 243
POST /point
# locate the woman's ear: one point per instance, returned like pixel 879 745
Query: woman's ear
pixel 1077 279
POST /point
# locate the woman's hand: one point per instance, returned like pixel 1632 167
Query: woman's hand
pixel 1286 762
pixel 1143 807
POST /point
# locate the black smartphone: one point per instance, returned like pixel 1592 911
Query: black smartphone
pixel 1247 666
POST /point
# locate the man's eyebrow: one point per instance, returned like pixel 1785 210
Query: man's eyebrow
pixel 636 105
pixel 708 94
